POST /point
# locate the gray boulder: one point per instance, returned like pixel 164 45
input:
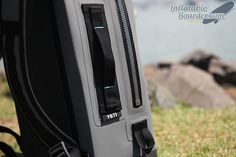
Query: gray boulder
pixel 152 88
pixel 193 86
pixel 200 59
pixel 164 97
pixel 165 64
pixel 223 72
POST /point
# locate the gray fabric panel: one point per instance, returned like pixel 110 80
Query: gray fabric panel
pixel 114 139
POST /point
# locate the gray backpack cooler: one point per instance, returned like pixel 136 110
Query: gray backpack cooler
pixel 75 75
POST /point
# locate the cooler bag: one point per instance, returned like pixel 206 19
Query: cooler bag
pixel 75 75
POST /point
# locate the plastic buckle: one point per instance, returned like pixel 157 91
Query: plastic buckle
pixel 143 136
pixel 59 150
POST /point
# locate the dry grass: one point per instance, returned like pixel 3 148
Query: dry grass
pixel 7 115
pixel 180 131
pixel 183 131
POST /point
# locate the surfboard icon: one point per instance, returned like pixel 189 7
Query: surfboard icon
pixel 225 9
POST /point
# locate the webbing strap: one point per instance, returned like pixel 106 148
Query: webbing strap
pixel 143 137
pixel 7 150
pixel 97 15
pixel 11 132
pixel 103 60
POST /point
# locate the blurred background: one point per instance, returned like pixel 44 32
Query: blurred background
pixel 162 36
pixel 190 68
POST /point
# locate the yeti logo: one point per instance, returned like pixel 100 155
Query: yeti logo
pixel 111 116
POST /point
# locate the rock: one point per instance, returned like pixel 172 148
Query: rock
pixel 164 97
pixel 150 72
pixel 217 67
pixel 193 86
pixel 165 64
pixel 223 72
pixel 199 58
pixel 152 88
pixel 231 91
pixel 158 95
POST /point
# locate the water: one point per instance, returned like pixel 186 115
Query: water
pixel 162 36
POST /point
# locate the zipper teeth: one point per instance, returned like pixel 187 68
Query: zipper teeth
pixel 130 50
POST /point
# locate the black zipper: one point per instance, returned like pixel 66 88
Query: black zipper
pixel 130 53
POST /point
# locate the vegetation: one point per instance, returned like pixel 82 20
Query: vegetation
pixel 180 131
pixel 7 114
pixel 183 131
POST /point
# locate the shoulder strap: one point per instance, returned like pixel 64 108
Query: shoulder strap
pixel 7 150
pixel 55 140
pixel 11 132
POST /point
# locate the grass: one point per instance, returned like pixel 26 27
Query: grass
pixel 183 131
pixel 7 115
pixel 180 131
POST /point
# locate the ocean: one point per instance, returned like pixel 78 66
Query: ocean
pixel 163 36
